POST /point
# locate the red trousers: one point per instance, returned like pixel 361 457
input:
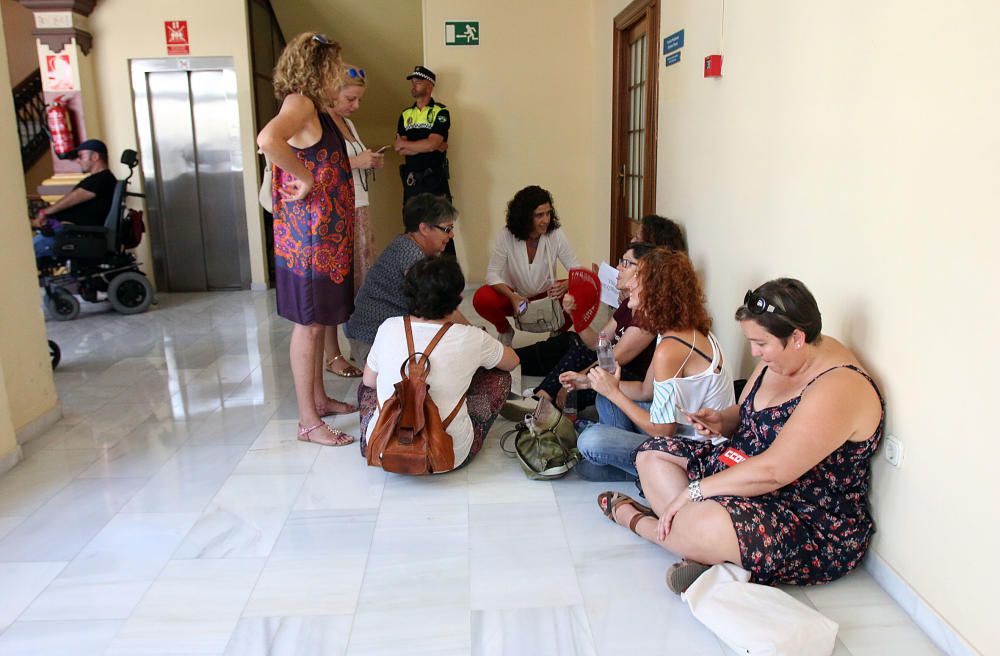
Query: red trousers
pixel 495 308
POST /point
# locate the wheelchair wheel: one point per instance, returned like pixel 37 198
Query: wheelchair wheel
pixel 61 304
pixel 55 353
pixel 130 293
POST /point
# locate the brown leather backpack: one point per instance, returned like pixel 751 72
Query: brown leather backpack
pixel 409 436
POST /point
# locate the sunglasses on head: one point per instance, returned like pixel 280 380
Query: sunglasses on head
pixel 757 304
pixel 356 73
pixel 322 39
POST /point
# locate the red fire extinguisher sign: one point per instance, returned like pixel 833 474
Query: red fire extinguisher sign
pixel 177 37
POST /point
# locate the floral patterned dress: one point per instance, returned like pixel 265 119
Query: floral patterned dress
pixel 813 530
pixel 314 237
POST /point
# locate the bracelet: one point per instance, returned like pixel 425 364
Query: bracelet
pixel 694 491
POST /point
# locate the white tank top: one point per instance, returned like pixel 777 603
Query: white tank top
pixel 361 176
pixel 706 389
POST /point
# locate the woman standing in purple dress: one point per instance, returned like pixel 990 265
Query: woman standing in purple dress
pixel 313 200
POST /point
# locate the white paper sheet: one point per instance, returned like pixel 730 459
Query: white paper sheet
pixel 608 275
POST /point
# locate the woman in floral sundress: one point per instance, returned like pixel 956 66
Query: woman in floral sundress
pixel 313 200
pixel 786 497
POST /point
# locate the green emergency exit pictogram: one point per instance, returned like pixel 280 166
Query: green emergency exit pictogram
pixel 461 33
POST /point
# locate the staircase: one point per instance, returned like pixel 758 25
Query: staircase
pixel 29 106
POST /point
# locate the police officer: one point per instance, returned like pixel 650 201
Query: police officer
pixel 422 138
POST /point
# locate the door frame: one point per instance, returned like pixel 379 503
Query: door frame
pixel 623 24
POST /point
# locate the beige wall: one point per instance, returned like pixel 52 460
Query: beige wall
pixel 18 23
pixel 124 30
pixel 26 391
pixel 387 50
pixel 854 145
pixel 522 114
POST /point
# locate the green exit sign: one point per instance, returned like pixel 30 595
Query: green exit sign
pixel 461 33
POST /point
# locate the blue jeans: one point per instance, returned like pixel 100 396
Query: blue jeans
pixel 607 447
pixel 44 244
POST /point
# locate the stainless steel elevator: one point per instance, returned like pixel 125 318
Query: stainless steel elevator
pixel 187 119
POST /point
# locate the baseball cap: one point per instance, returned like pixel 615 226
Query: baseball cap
pixel 95 145
pixel 423 73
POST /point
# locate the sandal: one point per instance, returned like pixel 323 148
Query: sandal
pixel 609 502
pixel 350 371
pixel 336 437
pixel 330 409
pixel 681 575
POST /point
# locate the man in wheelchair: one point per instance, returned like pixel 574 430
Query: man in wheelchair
pixel 87 204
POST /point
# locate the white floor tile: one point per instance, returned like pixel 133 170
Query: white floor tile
pixel 21 583
pixel 556 631
pixel 291 636
pixel 58 638
pixel 109 577
pixel 193 607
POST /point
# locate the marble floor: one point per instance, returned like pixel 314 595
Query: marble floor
pixel 172 511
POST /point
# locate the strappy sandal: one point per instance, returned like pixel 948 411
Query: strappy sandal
pixel 350 371
pixel 681 575
pixel 609 502
pixel 327 411
pixel 336 437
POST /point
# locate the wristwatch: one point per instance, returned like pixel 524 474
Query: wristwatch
pixel 694 491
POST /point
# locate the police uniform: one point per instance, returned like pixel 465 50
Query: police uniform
pixel 425 172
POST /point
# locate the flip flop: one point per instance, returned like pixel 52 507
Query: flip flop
pixel 350 371
pixel 609 502
pixel 336 438
pixel 327 411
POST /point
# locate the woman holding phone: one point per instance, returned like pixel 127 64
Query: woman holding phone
pixel 688 370
pixel 522 265
pixel 363 164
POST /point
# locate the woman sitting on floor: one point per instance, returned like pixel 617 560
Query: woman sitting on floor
pixel 522 265
pixel 566 354
pixel 688 371
pixel 787 496
pixel 467 360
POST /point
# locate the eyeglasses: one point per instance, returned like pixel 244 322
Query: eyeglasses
pixel 322 39
pixel 446 229
pixel 624 263
pixel 356 73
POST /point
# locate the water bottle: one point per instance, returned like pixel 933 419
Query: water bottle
pixel 569 406
pixel 605 355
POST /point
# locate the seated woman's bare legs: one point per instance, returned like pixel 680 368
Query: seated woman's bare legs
pixel 702 532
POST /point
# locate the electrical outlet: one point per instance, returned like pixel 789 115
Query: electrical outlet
pixel 894 451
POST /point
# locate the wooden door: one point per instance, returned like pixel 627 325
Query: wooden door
pixel 634 105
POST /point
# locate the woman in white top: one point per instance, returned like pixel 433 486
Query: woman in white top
pixel 688 370
pixel 522 266
pixel 467 360
pixel 363 163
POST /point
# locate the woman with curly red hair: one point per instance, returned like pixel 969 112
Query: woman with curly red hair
pixel 688 370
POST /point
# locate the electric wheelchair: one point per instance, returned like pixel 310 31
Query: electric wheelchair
pixel 93 260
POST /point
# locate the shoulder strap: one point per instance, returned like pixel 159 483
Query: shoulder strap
pixel 683 364
pixel 689 345
pixel 437 338
pixel 353 130
pixel 409 335
pixel 454 411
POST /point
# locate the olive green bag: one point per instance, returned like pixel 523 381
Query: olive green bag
pixel 544 443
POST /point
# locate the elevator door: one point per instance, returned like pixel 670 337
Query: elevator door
pixel 188 123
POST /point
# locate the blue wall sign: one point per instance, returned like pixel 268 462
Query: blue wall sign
pixel 673 58
pixel 673 42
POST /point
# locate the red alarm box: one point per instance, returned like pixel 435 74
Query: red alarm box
pixel 713 66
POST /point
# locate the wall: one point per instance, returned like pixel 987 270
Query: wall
pixel 522 114
pixel 125 30
pixel 854 146
pixel 26 389
pixel 387 50
pixel 18 23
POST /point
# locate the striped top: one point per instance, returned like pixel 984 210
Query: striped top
pixel 706 389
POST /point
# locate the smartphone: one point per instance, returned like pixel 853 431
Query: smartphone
pixel 381 150
pixel 522 308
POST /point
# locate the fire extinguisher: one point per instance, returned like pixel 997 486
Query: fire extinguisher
pixel 60 128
